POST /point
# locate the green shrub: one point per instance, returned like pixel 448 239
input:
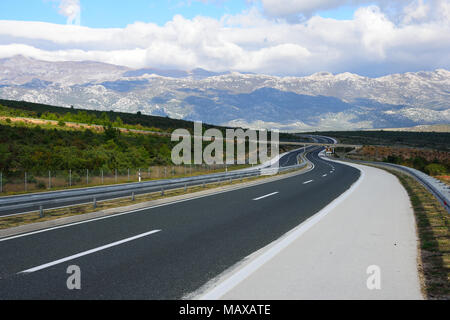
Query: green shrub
pixel 436 169
pixel 393 159
pixel 41 185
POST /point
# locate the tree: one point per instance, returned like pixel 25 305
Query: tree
pixel 5 157
pixel 119 122
pixel 419 163
pixel 111 133
pixel 104 119
pixel 393 159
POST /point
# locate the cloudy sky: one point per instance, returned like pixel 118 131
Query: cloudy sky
pixel 280 37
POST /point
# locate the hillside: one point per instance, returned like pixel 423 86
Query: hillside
pixel 121 120
pixel 38 137
pixel 424 140
pixel 425 151
pixel 37 149
pixel 49 112
pixel 423 128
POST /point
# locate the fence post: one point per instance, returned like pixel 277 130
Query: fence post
pixel 26 187
pixel 87 176
pixel 95 203
pixel 162 191
pixel 1 182
pixel 49 179
pixel 102 177
pixel 41 211
pixel 70 177
pixel 132 196
pixel 185 187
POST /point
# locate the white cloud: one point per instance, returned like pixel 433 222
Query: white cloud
pixel 420 11
pixel 307 8
pixel 416 11
pixel 372 43
pixel 399 10
pixel 71 9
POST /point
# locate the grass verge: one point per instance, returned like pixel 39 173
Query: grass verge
pixel 432 221
pixel 95 180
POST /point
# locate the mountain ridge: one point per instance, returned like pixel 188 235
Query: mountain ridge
pixel 319 101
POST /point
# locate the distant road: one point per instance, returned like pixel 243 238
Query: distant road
pixel 168 251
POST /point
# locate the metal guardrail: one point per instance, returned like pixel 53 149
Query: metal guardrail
pixel 51 200
pixel 436 187
pixel 276 170
pixel 128 191
pixel 439 189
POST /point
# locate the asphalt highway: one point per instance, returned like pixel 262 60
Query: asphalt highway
pixel 169 251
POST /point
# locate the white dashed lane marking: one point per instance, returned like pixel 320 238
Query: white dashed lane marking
pixel 267 195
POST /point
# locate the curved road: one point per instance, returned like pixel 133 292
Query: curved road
pixel 167 251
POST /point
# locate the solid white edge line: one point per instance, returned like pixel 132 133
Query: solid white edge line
pixel 276 247
pixel 84 253
pixel 267 195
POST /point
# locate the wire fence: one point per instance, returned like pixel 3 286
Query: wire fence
pixel 27 181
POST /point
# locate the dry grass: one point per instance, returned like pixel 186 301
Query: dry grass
pixel 32 122
pixel 60 180
pixel 444 179
pixel 378 153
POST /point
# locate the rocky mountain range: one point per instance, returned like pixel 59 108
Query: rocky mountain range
pixel 321 101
